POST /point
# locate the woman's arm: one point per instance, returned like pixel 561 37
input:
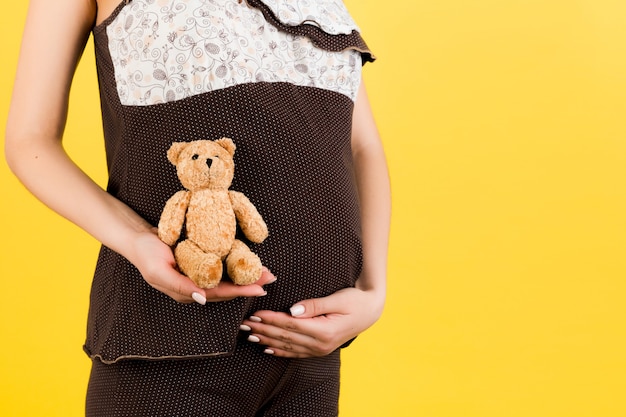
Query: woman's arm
pixel 317 327
pixel 375 197
pixel 54 38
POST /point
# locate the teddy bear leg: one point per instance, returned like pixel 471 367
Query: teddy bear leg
pixel 244 267
pixel 204 269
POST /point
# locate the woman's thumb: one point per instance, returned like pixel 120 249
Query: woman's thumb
pixel 308 308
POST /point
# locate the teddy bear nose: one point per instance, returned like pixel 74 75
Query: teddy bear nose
pixel 209 162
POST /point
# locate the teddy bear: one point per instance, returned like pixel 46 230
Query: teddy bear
pixel 209 213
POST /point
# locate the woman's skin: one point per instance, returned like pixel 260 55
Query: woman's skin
pixel 54 38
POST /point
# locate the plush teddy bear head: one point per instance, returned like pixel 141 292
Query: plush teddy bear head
pixel 204 164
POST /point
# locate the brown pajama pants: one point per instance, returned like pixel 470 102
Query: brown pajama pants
pixel 246 384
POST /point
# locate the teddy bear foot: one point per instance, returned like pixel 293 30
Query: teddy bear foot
pixel 209 274
pixel 204 269
pixel 243 266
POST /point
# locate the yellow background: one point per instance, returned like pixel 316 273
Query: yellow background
pixel 504 126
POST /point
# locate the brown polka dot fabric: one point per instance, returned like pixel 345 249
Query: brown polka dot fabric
pixel 155 357
pixel 293 161
pixel 246 384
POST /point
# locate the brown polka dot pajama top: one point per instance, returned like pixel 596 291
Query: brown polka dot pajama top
pixel 280 78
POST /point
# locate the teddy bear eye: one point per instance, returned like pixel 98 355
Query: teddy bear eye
pixel 195 156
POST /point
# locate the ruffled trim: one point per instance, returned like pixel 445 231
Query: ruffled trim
pixel 326 23
pixel 329 15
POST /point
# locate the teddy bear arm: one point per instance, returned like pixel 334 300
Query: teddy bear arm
pixel 251 223
pixel 173 217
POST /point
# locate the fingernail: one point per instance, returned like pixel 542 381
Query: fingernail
pixel 272 280
pixel 198 298
pixel 263 294
pixel 297 310
pixel 269 351
pixel 245 328
pixel 253 338
pixel 255 319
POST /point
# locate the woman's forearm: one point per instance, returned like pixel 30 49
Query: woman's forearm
pixel 45 169
pixel 49 55
pixel 375 198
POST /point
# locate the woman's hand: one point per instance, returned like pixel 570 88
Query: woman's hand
pixel 157 265
pixel 316 327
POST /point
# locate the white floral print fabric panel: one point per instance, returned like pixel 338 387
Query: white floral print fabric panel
pixel 330 15
pixel 167 50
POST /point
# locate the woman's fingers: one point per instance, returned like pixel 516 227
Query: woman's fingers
pixel 286 336
pixel 155 261
pixel 315 327
pixel 158 268
pixel 280 343
pixel 227 290
pixel 183 290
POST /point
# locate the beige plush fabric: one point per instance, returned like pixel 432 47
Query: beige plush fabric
pixel 209 213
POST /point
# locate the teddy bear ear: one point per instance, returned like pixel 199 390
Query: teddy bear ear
pixel 175 150
pixel 228 144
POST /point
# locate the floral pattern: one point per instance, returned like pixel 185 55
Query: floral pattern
pixel 331 16
pixel 167 50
